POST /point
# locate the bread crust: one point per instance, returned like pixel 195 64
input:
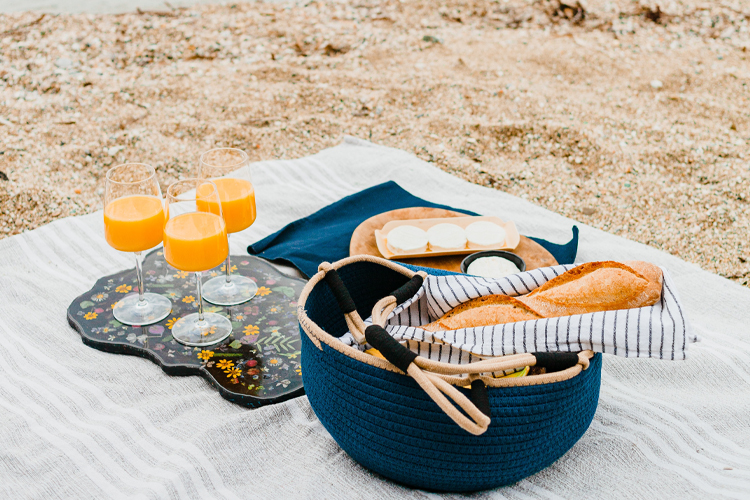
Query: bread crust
pixel 484 311
pixel 588 288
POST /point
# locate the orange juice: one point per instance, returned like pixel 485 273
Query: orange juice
pixel 237 202
pixel 134 223
pixel 196 241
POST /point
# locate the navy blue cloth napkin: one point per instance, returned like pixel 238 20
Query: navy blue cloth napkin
pixel 325 235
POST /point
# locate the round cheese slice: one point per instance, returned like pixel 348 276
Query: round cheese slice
pixel 485 234
pixel 406 239
pixel 446 237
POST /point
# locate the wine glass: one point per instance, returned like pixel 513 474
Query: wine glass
pixel 238 207
pixel 195 240
pixel 134 222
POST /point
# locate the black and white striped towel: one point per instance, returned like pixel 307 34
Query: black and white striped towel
pixel 659 331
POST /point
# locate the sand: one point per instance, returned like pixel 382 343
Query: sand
pixel 631 117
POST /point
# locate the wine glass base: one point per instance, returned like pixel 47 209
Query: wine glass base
pixel 240 289
pixel 131 311
pixel 213 329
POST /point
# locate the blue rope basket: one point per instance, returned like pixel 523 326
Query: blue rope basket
pixel 387 422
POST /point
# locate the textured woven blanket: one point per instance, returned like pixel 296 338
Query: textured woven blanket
pixel 80 423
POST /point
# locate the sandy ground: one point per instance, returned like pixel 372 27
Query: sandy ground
pixel 101 6
pixel 631 117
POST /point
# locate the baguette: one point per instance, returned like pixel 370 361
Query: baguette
pixel 588 288
pixel 484 311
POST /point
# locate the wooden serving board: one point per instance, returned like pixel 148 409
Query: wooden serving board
pixel 363 241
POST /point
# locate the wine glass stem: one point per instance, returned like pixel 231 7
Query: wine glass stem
pixel 228 263
pixel 139 277
pixel 200 296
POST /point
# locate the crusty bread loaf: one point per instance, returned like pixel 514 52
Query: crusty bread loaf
pixel 483 311
pixel 588 288
pixel 597 286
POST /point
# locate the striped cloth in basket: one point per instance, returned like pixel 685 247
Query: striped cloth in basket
pixel 659 331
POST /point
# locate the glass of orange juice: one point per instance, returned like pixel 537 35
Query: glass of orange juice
pixel 195 240
pixel 134 222
pixel 238 208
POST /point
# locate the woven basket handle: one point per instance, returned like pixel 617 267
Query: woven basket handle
pixel 435 387
pixel 400 356
pixel 346 304
pixel 437 379
pixel 431 375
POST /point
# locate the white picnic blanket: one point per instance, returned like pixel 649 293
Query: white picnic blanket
pixel 80 423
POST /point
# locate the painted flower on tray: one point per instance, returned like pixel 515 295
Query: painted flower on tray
pixel 224 364
pixel 205 355
pixel 171 323
pixel 90 315
pixel 263 290
pixel 231 269
pixel 239 317
pixel 251 330
pixel 165 278
pixel 99 297
pixel 208 332
pixel 173 294
pixel 189 299
pixel 123 288
pixel 156 329
pixel 132 337
pixel 273 310
pixel 181 274
pixel 274 361
pixel 298 370
pixel 233 372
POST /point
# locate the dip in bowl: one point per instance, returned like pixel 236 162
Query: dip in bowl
pixel 493 264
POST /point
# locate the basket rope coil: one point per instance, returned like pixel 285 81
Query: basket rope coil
pixel 386 420
pixel 437 379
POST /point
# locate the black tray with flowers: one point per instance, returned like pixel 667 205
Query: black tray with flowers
pixel 258 364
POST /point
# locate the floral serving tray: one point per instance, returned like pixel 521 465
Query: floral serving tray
pixel 258 364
